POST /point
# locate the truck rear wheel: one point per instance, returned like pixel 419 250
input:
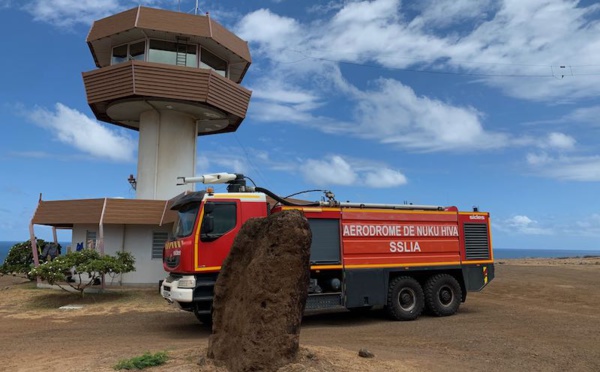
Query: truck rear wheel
pixel 442 295
pixel 405 299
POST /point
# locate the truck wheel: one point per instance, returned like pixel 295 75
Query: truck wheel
pixel 205 319
pixel 442 295
pixel 405 299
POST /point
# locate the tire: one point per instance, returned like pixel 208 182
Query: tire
pixel 205 319
pixel 442 295
pixel 405 299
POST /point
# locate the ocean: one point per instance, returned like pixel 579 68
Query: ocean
pixel 499 253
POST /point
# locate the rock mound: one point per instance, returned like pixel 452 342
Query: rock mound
pixel 261 293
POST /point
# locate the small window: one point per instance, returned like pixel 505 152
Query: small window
pixel 127 52
pixel 209 60
pixel 219 219
pixel 90 239
pixel 119 54
pixel 159 238
pixel 137 51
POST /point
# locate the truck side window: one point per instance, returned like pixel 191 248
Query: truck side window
pixel 219 218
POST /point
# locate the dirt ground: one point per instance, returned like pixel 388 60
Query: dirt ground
pixel 537 315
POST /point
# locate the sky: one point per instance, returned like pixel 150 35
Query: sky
pixel 491 104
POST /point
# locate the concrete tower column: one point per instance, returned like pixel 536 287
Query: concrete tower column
pixel 167 150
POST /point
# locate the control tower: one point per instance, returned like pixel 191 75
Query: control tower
pixel 171 76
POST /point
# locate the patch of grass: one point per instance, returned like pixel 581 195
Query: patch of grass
pixel 143 361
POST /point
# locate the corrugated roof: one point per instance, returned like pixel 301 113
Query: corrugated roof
pixel 66 213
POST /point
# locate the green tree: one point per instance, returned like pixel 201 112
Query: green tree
pixel 20 258
pixel 89 262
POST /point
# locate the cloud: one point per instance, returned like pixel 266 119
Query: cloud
pixel 568 168
pixel 392 113
pixel 384 177
pixel 274 99
pixel 588 115
pixel 269 31
pixel 523 225
pixel 67 13
pixel 332 171
pixel 335 170
pixel 589 226
pixel 71 127
pixel 444 13
pixel 558 141
pixel 386 111
pixel 327 7
pixel 534 41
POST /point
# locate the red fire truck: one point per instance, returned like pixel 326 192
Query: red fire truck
pixel 403 257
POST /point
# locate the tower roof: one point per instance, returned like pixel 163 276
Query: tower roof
pixel 143 23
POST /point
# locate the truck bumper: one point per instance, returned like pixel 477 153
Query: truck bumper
pixel 172 293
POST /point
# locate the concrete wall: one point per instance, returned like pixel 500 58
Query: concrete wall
pixel 136 239
pixel 167 150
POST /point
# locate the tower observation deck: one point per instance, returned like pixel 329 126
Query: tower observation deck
pixel 171 76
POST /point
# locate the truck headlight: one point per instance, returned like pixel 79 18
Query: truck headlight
pixel 187 282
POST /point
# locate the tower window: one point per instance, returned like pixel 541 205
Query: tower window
pixel 128 52
pixel 211 61
pixel 171 53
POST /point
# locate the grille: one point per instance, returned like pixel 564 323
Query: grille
pixel 477 245
pixel 172 262
pixel 323 301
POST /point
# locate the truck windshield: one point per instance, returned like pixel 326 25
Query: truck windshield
pixel 185 223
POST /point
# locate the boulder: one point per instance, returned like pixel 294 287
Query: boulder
pixel 260 294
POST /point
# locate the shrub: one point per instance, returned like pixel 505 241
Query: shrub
pixel 141 362
pixel 20 258
pixel 87 261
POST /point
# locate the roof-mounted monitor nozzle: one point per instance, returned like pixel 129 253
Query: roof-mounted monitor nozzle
pixel 208 178
pixel 236 181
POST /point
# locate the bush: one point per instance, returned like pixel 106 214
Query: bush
pixel 20 258
pixel 87 261
pixel 141 362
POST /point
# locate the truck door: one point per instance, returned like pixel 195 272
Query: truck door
pixel 219 225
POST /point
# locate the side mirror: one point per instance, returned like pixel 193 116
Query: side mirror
pixel 208 224
pixel 209 208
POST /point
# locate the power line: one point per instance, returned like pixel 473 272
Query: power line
pixel 256 169
pixel 560 73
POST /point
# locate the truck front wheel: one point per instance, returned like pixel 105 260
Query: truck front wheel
pixel 405 299
pixel 442 295
pixel 203 318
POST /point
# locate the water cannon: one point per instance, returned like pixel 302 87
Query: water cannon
pixel 236 181
pixel 209 179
